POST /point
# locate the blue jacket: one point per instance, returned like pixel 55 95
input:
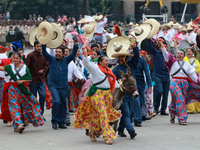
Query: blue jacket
pixel 160 68
pixel 58 69
pixel 132 65
pixel 139 74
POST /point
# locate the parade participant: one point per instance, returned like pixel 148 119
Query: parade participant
pixel 70 27
pixel 96 111
pixel 183 34
pixel 22 104
pixel 129 104
pixel 161 78
pixel 5 113
pixel 21 51
pixel 140 72
pixel 38 66
pixel 78 62
pixel 191 36
pixel 99 30
pixel 74 77
pixel 58 83
pixel 181 73
pixel 168 33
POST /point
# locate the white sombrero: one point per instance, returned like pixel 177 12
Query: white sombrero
pixel 141 32
pixel 154 27
pixel 33 36
pixel 97 18
pixel 89 29
pixel 45 33
pixel 83 20
pixel 57 37
pixel 189 28
pixel 118 46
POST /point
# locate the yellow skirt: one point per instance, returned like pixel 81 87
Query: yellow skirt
pixel 193 108
pixel 95 113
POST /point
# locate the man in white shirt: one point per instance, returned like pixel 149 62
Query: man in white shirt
pixel 99 30
pixel 192 36
pixel 168 34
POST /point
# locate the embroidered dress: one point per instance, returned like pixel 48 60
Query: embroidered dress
pixel 148 100
pixel 23 106
pixel 96 111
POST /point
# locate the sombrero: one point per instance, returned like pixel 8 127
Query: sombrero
pixel 141 32
pixel 154 27
pixel 57 37
pixel 3 49
pixel 45 33
pixel 89 29
pixel 189 28
pixel 96 18
pixel 33 36
pixel 83 20
pixel 183 29
pixel 118 46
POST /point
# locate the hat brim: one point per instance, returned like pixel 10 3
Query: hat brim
pixel 33 36
pixel 83 21
pixel 146 31
pixel 94 24
pixel 112 54
pixel 154 27
pixel 45 32
pixel 57 38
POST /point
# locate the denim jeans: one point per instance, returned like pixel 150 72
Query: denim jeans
pixel 136 110
pixel 41 88
pixel 125 121
pixel 59 105
pixel 161 89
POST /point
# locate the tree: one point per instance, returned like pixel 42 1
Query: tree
pixel 102 6
pixel 7 5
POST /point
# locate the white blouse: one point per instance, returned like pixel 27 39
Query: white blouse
pixel 73 70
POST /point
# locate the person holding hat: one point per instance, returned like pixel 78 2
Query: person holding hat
pixel 129 103
pixel 58 83
pixel 99 30
pixel 96 111
pixel 161 78
pixel 38 66
pixel 184 82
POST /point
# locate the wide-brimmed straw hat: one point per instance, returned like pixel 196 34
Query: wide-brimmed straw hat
pixel 183 29
pixel 45 33
pixel 118 46
pixel 169 24
pixel 89 29
pixel 97 18
pixel 33 36
pixel 189 28
pixel 57 37
pixel 83 20
pixel 154 27
pixel 141 32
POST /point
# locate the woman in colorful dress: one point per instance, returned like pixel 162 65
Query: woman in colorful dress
pixel 96 111
pixel 23 106
pixel 181 72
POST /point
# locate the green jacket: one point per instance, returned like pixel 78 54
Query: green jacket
pixel 10 36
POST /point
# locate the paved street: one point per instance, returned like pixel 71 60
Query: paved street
pixel 156 134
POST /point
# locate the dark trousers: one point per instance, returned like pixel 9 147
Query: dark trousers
pixel 142 101
pixel 136 110
pixel 161 89
pixel 59 105
pixel 41 88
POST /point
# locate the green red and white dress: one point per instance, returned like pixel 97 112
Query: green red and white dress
pixel 23 106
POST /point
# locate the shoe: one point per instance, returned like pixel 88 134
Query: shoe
pixel 138 125
pixel 9 124
pixel 146 118
pixel 5 121
pixel 54 126
pixel 164 113
pixel 92 136
pixel 156 111
pixel 44 119
pixel 132 119
pixel 109 142
pixel 122 134
pixel 151 114
pixel 62 126
pixel 21 129
pixel 133 134
pixel 68 124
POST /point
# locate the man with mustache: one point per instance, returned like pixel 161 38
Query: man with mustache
pixel 58 83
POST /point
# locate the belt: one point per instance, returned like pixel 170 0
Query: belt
pixel 98 34
pixel 185 78
pixel 1 78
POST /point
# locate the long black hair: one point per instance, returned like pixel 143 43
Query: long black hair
pixel 100 59
pixel 18 54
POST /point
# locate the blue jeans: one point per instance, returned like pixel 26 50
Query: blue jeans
pixel 41 88
pixel 136 110
pixel 59 105
pixel 161 89
pixel 142 101
pixel 125 121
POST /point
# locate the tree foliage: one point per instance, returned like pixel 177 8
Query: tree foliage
pixel 102 6
pixel 7 5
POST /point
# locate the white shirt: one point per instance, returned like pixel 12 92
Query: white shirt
pixel 160 34
pixel 192 37
pixel 100 25
pixel 97 74
pixel 73 70
pixel 168 36
pixel 2 56
pixel 51 51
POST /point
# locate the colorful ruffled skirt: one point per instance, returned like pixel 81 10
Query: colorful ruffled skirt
pixel 95 113
pixel 24 109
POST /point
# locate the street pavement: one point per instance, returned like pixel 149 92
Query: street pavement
pixel 155 134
